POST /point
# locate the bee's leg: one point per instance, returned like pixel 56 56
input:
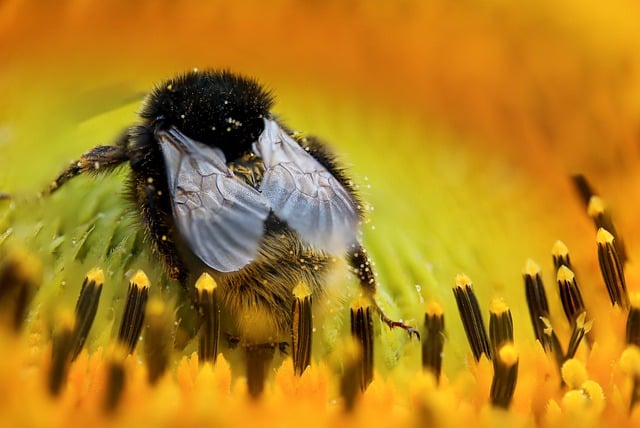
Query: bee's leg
pixel 361 263
pixel 156 213
pixel 98 160
pixel 151 197
pixel 258 360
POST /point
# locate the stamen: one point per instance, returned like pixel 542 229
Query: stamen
pixel 633 320
pixel 20 276
pixel 258 359
pixel 362 332
pixel 134 311
pixel 505 376
pixel 560 255
pixel 583 187
pixel 433 342
pixel 471 317
pixel 351 380
pixel 209 312
pixel 580 329
pixel 62 346
pixel 570 295
pixel 602 220
pixel 115 378
pixel 555 348
pixel 157 339
pixel 537 303
pixel 500 325
pixel 302 328
pixel 611 269
pixel 86 308
pixel 635 393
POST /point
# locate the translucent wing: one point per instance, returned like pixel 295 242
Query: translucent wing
pixel 304 193
pixel 220 217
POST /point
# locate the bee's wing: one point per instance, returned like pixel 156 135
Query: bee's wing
pixel 304 193
pixel 220 217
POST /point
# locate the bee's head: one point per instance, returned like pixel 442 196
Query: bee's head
pixel 217 108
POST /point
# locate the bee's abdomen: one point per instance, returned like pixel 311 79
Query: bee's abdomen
pixel 259 297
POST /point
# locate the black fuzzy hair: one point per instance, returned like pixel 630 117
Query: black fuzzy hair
pixel 215 107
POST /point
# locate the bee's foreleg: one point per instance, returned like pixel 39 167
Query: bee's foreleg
pixel 360 262
pixel 100 159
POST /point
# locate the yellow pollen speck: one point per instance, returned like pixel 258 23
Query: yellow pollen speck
pixel 565 274
pixel 140 279
pixel 434 308
pixel 164 237
pixel 596 206
pixel 531 268
pixel 498 306
pixel 169 87
pixel 559 248
pixel 96 165
pixel 508 354
pixel 96 275
pixel 462 281
pixel 149 180
pixel 206 283
pixel 301 290
pixel 603 236
pixel 360 303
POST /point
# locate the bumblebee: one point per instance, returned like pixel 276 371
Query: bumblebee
pixel 222 186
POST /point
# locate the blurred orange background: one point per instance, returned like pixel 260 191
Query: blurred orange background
pixel 560 75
